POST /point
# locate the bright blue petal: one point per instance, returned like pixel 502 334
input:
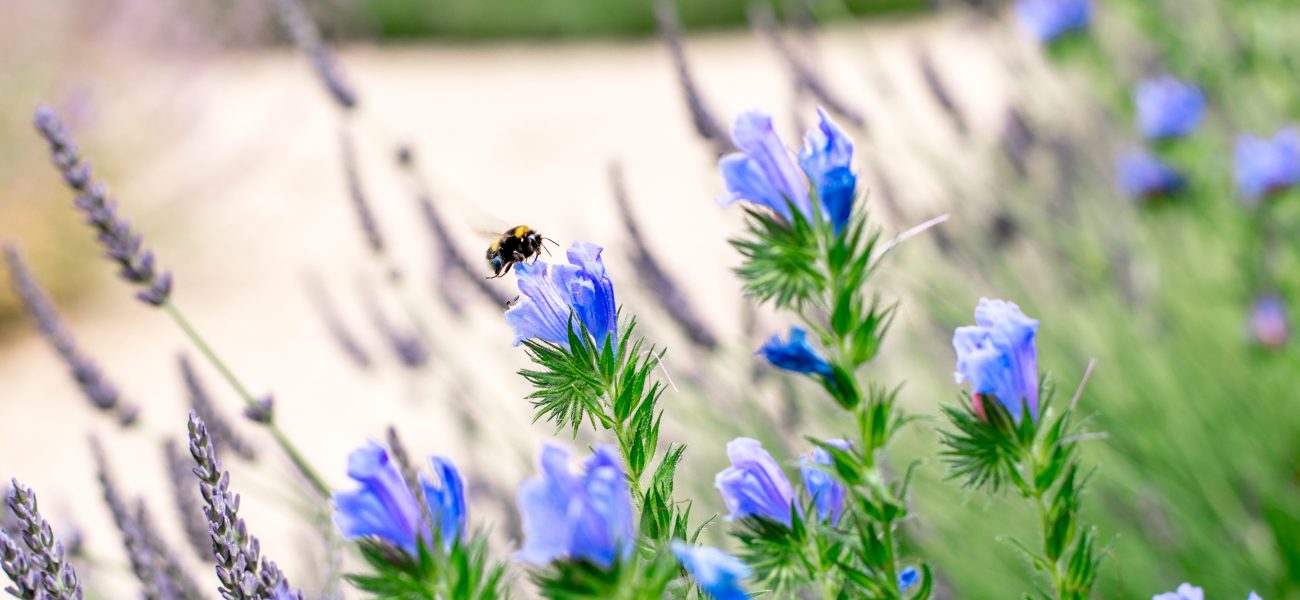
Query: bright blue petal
pixel 745 181
pixel 1044 20
pixel 717 573
pixel 1264 166
pixel 552 294
pixel 754 135
pixel 383 505
pixel 827 493
pixel 827 159
pixel 999 356
pixel 908 578
pixel 446 499
pixel 795 354
pixel 1142 175
pixel 578 517
pixel 754 484
pixel 1185 591
pixel 1167 107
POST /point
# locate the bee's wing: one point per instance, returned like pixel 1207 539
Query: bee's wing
pixel 488 235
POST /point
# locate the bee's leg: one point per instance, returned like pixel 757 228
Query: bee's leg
pixel 507 269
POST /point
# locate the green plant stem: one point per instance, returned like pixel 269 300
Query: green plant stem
pixel 1044 525
pixel 281 439
pixel 625 448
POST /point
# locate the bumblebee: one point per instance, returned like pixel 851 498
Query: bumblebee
pixel 516 245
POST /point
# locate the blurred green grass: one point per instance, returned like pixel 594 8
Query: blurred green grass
pixel 1198 476
pixel 491 19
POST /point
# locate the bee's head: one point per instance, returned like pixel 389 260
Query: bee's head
pixel 533 238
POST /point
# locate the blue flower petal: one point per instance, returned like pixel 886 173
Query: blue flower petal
pixel 745 181
pixel 553 293
pixel 999 357
pixel 908 578
pixel 1167 107
pixel 827 493
pixel 383 506
pixel 1045 20
pixel 717 573
pixel 572 516
pixel 795 354
pixel 754 135
pixel 754 484
pixel 1264 166
pixel 827 159
pixel 446 499
pixel 1142 175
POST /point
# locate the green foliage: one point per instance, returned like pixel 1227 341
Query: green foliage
pixel 461 572
pixel 564 18
pixel 781 260
pixel 643 576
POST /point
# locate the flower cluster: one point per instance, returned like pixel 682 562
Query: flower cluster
pixel 999 358
pixel 577 516
pixel 384 507
pixel 1046 20
pixel 1266 166
pixel 556 298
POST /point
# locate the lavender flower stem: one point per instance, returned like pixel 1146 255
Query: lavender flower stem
pixel 281 439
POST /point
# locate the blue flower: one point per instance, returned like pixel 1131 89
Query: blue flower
pixel 826 492
pixel 1185 591
pixel 1044 20
pixel 446 498
pixel 1167 107
pixel 1268 322
pixel 754 485
pixel 577 516
pixel 385 507
pixel 908 578
pixel 1142 175
pixel 998 357
pixel 553 292
pixel 717 573
pixel 796 354
pixel 1264 166
pixel 763 173
pixel 827 160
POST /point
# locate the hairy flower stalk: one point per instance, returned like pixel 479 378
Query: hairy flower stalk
pixel 41 571
pixel 244 574
pixel 122 244
pixel 124 247
pixel 811 252
pixel 1009 434
pixel 103 395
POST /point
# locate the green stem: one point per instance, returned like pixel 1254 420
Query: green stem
pixel 625 448
pixel 280 438
pixel 1044 524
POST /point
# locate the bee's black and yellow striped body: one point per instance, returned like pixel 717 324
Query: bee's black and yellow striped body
pixel 516 245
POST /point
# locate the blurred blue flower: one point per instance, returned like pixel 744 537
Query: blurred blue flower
pixel 1142 175
pixel 763 173
pixel 1185 591
pixel 1268 322
pixel 577 516
pixel 754 485
pixel 446 498
pixel 998 357
pixel 908 578
pixel 1044 20
pixel 1264 166
pixel 1253 596
pixel 717 573
pixel 795 354
pixel 1167 107
pixel 553 292
pixel 826 492
pixel 827 159
pixel 385 507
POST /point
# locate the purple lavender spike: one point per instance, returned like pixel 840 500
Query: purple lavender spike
pixel 670 33
pixel 145 566
pixel 360 204
pixel 760 16
pixel 42 571
pixel 243 573
pixel 306 36
pixel 939 91
pixel 186 499
pixel 341 334
pixel 653 274
pixel 121 243
pixel 222 430
pixel 103 395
